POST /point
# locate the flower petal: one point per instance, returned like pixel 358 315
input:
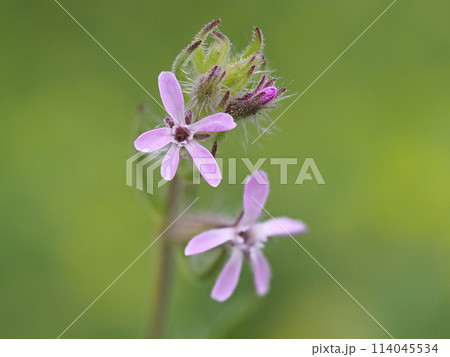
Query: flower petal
pixel 261 271
pixel 170 162
pixel 229 277
pixel 269 94
pixel 255 196
pixel 282 226
pixel 205 163
pixel 171 96
pixel 208 240
pixel 153 140
pixel 215 123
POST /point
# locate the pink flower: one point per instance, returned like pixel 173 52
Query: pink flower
pixel 246 238
pixel 180 133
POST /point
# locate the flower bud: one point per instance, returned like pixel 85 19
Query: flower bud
pixel 253 102
pixel 206 91
pixel 269 94
pixel 215 81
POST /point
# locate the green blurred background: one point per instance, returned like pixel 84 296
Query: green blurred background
pixel 376 124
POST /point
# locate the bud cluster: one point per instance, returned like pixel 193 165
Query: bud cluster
pixel 214 80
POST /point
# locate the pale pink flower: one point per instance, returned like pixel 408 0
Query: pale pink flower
pixel 180 133
pixel 246 239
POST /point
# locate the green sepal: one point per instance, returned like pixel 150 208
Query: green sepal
pixel 239 73
pixel 195 47
pixel 219 51
pixel 199 56
pixel 256 44
pixel 183 57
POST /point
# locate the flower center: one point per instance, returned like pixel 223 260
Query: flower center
pixel 245 239
pixel 181 135
pixel 245 235
pixel 248 237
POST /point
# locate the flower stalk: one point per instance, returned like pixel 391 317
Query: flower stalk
pixel 159 312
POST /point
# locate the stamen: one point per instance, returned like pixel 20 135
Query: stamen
pixel 169 122
pixel 188 118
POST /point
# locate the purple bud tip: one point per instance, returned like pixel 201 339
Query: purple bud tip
pixel 220 35
pixel 192 47
pixel 210 26
pixel 258 34
pixel 269 94
pixel 213 71
pixel 250 71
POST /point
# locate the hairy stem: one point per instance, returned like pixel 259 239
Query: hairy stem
pixel 159 310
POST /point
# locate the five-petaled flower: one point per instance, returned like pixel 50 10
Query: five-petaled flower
pixel 180 133
pixel 246 239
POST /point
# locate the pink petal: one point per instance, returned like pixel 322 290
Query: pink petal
pixel 170 162
pixel 153 140
pixel 208 240
pixel 261 271
pixel 269 94
pixel 255 196
pixel 205 163
pixel 171 96
pixel 229 277
pixel 215 123
pixel 282 226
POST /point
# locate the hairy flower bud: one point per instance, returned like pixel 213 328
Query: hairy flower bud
pixel 215 81
pixel 269 94
pixel 206 90
pixel 262 97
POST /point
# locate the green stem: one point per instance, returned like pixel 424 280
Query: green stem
pixel 159 311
